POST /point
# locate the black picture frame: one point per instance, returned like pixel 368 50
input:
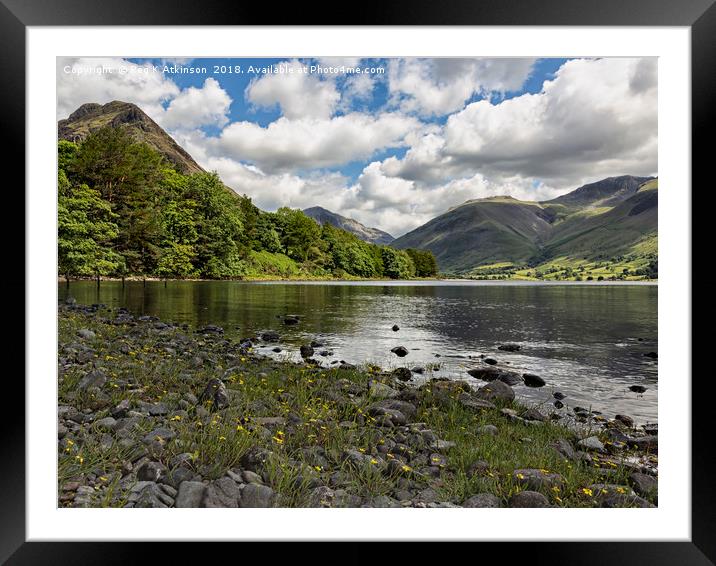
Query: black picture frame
pixel 699 15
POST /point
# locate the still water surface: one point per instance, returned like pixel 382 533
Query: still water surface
pixel 587 341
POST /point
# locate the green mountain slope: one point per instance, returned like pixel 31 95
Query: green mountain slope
pixel 611 218
pixel 612 233
pixel 483 231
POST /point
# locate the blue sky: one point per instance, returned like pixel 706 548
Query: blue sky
pixel 391 149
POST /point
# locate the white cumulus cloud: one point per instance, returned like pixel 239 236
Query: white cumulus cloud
pixel 441 86
pixel 299 94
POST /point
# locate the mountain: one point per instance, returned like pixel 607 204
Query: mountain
pixel 610 218
pixel 92 116
pixel 365 233
pixel 607 192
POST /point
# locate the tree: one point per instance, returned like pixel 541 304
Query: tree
pixel 397 263
pixel 424 261
pixel 179 236
pixel 298 233
pixel 265 236
pixel 219 226
pixel 128 175
pixel 66 153
pixel 86 230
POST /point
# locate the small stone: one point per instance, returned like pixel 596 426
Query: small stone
pixel 592 443
pixel 565 449
pixel 644 484
pixel 180 475
pixel 252 477
pixel 158 409
pixel 443 444
pixel 190 494
pixel 105 424
pixel 322 496
pixel 403 374
pixel 482 500
pixel 121 409
pixel 510 347
pixel 491 361
pixel 488 429
pixel 395 328
pixel 533 414
pixel 151 471
pixel 95 378
pixel 159 435
pixel 528 499
pixel 222 493
pixel 645 443
pixel 380 390
pixel 477 405
pixel 86 333
pixel 400 351
pixel 254 496
pixel 306 351
pixel 215 394
pixel 625 500
pixel 626 420
pixel 536 479
pixel 496 391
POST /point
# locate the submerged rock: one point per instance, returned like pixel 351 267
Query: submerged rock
pixel 485 373
pixel 510 347
pixel 400 351
pixel 270 336
pixel 532 380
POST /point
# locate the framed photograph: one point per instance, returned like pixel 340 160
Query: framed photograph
pixel 399 280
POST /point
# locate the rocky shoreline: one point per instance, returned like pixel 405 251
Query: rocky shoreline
pixel 155 414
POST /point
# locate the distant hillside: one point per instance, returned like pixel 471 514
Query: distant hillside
pixel 482 231
pixel 610 218
pixel 365 233
pixel 607 192
pixel 92 116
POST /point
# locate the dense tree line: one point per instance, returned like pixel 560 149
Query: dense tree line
pixel 123 210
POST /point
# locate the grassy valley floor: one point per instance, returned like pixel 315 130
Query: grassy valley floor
pixel 152 414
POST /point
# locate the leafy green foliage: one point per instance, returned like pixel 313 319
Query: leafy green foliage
pixel 123 209
pixel 424 261
pixel 397 264
pixel 85 231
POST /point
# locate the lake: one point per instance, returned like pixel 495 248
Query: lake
pixel 586 340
